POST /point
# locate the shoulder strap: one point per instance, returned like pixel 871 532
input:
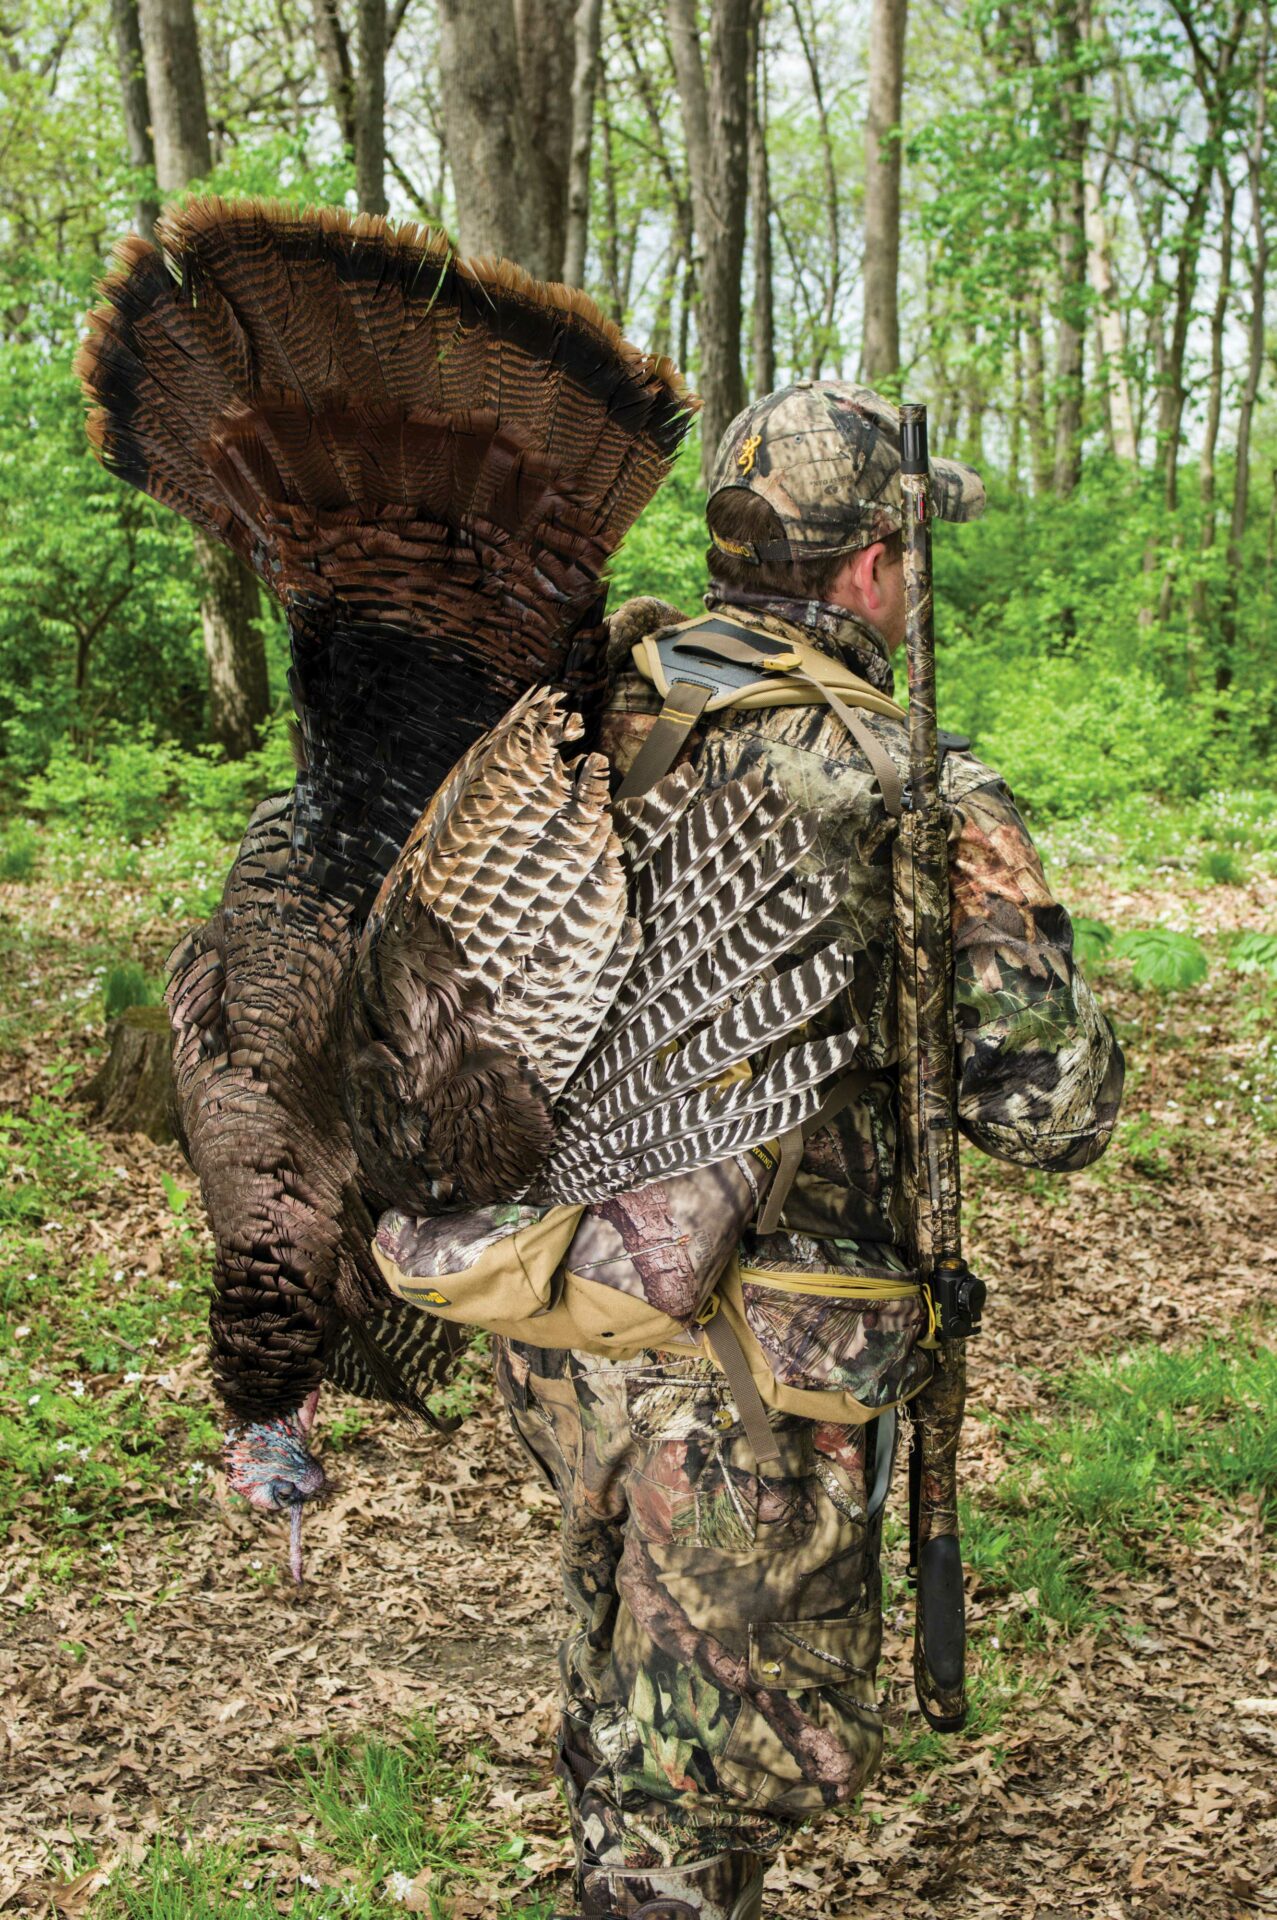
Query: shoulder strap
pixel 714 663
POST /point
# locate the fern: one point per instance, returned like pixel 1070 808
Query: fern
pixel 1161 958
pixel 1091 940
pixel 1254 953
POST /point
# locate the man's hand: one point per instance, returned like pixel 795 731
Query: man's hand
pixel 272 1467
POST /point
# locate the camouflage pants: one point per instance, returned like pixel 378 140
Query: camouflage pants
pixel 719 1684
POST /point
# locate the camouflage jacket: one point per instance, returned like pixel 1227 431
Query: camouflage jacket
pixel 1039 1069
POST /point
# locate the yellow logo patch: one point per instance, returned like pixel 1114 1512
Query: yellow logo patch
pixel 749 453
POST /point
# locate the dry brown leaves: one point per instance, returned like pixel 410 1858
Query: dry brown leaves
pixel 1139 1780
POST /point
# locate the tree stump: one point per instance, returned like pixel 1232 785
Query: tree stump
pixel 132 1091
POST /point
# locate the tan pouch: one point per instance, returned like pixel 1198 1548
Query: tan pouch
pixel 827 1346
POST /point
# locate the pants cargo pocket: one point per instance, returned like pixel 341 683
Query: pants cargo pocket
pixel 808 1734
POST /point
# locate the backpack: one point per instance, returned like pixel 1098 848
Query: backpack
pixel 826 1346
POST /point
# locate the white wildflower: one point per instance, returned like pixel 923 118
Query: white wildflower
pixel 398 1885
pixel 76 1387
pixel 308 1880
pixel 20 1333
pixel 64 1479
pixel 131 1379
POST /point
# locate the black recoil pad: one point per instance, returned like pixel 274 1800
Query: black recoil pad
pixel 942 1618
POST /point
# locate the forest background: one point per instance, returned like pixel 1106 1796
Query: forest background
pixel 1053 224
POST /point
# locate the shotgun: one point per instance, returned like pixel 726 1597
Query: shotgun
pixel 928 1128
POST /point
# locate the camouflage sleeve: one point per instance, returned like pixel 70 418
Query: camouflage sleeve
pixel 1039 1067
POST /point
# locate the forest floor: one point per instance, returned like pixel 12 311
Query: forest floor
pixel 185 1733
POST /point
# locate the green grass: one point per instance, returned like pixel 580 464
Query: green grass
pixel 373 1819
pixel 1147 1451
pixel 19 850
pixel 83 1438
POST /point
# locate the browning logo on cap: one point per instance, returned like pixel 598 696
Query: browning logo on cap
pixel 825 457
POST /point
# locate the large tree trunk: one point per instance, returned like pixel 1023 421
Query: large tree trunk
pixel 545 35
pixel 880 351
pixel 175 88
pixel 137 109
pixel 715 127
pixel 484 133
pixel 370 107
pixel 1070 330
pixel 763 327
pixel 238 700
pixel 585 73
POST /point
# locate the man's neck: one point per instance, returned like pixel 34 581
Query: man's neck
pixel 835 630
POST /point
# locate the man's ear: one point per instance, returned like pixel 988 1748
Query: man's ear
pixel 870 563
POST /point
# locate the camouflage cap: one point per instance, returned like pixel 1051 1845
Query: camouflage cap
pixel 826 457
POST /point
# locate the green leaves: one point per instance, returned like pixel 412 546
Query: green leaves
pixel 1162 958
pixel 1091 940
pixel 1254 953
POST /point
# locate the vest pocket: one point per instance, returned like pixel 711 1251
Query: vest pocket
pixel 823 1341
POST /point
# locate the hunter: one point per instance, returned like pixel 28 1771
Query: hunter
pixel 718 1687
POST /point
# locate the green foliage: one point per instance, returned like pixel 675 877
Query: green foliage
pixel 371 1818
pixel 1254 953
pixel 1142 1453
pixel 82 1441
pixel 1221 866
pixel 18 850
pixel 664 552
pixel 1162 958
pixel 134 787
pixel 1091 940
pixel 128 985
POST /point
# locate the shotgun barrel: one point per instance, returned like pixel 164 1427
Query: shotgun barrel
pixel 928 1126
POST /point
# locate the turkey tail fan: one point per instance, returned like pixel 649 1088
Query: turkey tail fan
pixel 420 447
pixel 722 906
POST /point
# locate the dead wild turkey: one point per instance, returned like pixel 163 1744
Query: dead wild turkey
pixel 429 461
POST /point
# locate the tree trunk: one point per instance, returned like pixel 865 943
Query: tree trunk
pixel 175 87
pixel 544 33
pixel 1117 385
pixel 763 319
pixel 370 107
pixel 880 352
pixel 238 696
pixel 132 1091
pixel 1255 357
pixel 824 340
pixel 483 130
pixel 1071 318
pixel 1215 397
pixel 1035 392
pixel 715 126
pixel 334 57
pixel 238 692
pixel 137 109
pixel 585 71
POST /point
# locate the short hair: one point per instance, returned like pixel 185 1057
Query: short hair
pixel 736 514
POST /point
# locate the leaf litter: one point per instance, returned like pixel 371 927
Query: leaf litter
pixel 164 1688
